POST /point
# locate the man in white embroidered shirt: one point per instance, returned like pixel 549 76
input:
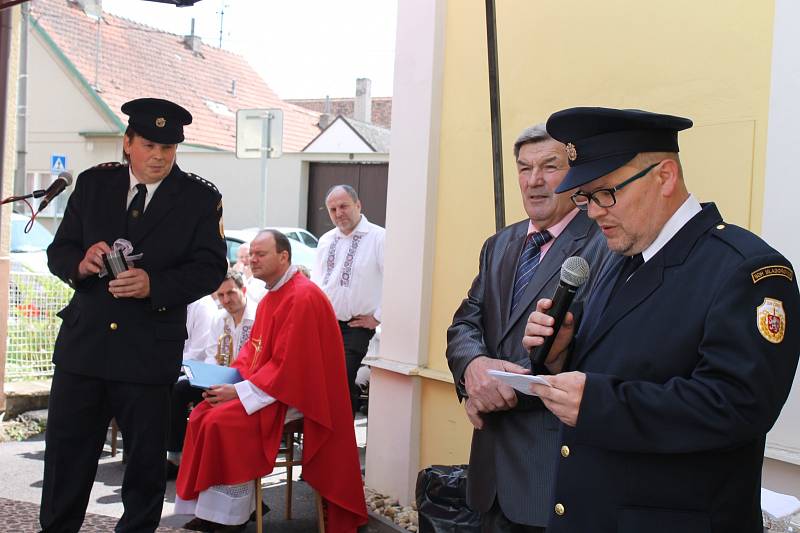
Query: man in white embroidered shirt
pixel 349 269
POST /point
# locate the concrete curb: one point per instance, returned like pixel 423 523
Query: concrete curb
pixel 22 396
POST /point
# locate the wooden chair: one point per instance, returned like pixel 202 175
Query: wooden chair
pixel 114 431
pixel 292 433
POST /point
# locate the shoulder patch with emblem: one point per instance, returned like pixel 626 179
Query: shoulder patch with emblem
pixel 109 165
pixel 771 320
pixel 205 182
pixel 770 271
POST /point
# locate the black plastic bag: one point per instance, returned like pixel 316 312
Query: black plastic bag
pixel 442 501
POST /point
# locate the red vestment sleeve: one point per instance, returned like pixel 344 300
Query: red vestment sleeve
pixel 296 355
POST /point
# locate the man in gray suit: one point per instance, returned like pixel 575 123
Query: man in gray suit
pixel 515 441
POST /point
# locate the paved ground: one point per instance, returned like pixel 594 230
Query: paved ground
pixel 21 482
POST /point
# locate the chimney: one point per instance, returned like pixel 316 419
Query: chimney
pixel 362 110
pixel 325 117
pixel 92 8
pixel 192 41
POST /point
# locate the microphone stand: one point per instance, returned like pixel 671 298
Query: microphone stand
pixel 35 194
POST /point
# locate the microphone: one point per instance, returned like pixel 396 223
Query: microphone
pixel 63 181
pixel 574 273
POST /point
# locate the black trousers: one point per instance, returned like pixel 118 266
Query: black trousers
pixel 356 344
pixel 494 521
pixel 182 395
pixel 80 410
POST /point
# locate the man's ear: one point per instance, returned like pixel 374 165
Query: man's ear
pixel 668 176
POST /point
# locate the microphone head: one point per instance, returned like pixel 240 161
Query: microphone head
pixel 66 176
pixel 575 271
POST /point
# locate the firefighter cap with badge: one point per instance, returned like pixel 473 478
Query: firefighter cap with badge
pixel 599 140
pixel 157 120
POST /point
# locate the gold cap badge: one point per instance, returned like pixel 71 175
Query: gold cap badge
pixel 572 154
pixel 771 320
pixel 161 122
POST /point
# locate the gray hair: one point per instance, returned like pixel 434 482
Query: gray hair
pixel 234 276
pixel 351 192
pixel 533 134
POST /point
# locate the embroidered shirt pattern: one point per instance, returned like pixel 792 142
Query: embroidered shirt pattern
pixel 347 269
pixel 331 260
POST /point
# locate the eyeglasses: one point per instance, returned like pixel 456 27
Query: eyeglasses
pixel 605 197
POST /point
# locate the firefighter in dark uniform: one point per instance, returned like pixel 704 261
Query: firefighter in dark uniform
pixel 686 351
pixel 120 344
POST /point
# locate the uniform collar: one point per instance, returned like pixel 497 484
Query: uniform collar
pixel 688 209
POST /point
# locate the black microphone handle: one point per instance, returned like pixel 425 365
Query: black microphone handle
pixel 56 188
pixel 562 299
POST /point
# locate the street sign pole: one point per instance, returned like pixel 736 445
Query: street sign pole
pixel 259 134
pixel 266 146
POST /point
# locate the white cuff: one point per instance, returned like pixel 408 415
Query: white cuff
pixel 252 397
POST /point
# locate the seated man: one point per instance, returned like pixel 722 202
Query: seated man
pixel 254 287
pixel 226 333
pixel 293 359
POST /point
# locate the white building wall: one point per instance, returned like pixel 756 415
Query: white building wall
pixel 58 109
pixel 338 138
pixel 395 397
pixel 782 219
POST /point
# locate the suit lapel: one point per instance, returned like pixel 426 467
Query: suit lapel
pixel 162 203
pixel 601 291
pixel 508 270
pixel 643 283
pixel 566 244
pixel 116 208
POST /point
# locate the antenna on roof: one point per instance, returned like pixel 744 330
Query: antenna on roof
pixel 221 12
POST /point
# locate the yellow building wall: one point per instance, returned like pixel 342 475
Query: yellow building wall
pixel 706 60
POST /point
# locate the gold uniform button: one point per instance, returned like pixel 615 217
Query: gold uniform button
pixel 113 326
pixel 560 509
pixel 565 451
pixel 720 226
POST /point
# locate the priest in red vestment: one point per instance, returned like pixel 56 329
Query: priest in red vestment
pixel 293 361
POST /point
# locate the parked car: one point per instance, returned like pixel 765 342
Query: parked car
pixel 28 251
pixel 303 243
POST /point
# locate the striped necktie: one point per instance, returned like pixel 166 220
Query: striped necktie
pixel 528 261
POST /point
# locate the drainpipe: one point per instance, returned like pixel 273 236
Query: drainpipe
pixel 22 106
pixel 494 107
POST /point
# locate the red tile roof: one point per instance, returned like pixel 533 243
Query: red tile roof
pixel 140 61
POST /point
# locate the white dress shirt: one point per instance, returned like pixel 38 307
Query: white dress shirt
pixel 199 317
pixel 688 209
pixel 349 270
pixel 151 190
pixel 223 323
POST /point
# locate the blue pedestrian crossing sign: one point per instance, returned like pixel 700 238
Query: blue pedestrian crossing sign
pixel 58 163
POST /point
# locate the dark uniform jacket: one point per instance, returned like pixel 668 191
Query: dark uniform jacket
pixel 513 455
pixel 687 370
pixel 180 237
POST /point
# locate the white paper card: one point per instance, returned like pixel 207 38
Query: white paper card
pixel 520 382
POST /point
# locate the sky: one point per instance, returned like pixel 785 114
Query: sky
pixel 302 48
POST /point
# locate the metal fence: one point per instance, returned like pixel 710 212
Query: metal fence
pixel 33 301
